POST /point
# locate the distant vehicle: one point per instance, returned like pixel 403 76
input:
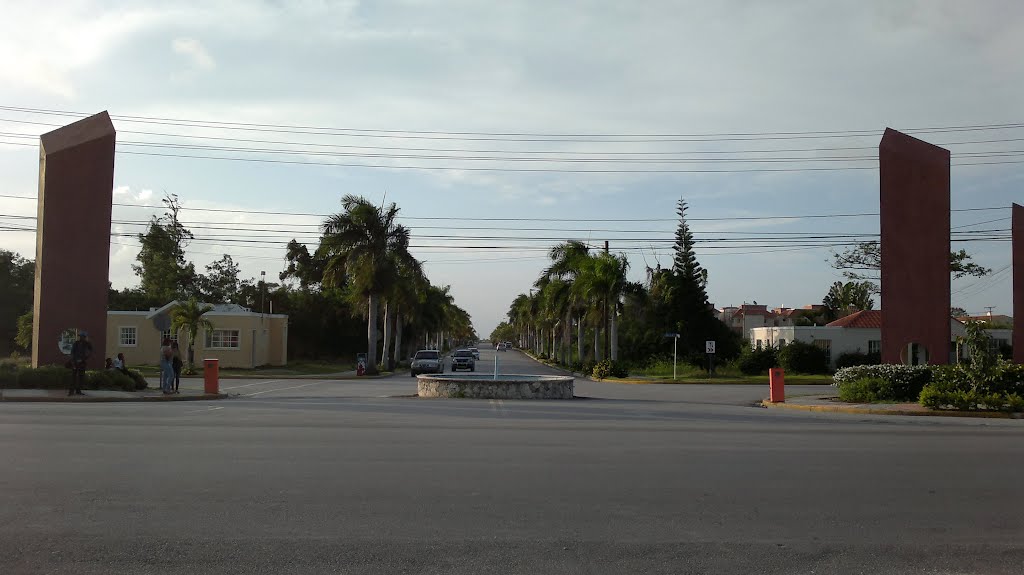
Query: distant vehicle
pixel 500 346
pixel 426 361
pixel 463 359
pixel 476 352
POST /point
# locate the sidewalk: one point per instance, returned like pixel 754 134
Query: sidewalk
pixel 831 404
pixel 102 395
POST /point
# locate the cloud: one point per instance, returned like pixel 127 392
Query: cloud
pixel 194 50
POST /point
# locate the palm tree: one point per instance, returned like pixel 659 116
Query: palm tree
pixel 188 316
pixel 567 261
pixel 602 280
pixel 366 245
pixel 406 295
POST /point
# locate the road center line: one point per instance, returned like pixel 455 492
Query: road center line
pixel 282 389
pixel 204 409
pixel 251 384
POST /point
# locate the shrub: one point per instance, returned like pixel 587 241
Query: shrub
pixel 51 377
pixel 866 390
pixel 543 357
pixel 754 361
pixel 608 368
pixel 857 358
pixel 800 357
pixel 965 387
pixel 587 367
pixel 904 382
pixel 109 379
pixel 138 378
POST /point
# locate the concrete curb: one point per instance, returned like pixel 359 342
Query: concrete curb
pixel 878 411
pixel 88 399
pixel 559 368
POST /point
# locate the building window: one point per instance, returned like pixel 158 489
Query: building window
pixel 875 346
pixel 826 345
pixel 758 344
pixel 128 337
pixel 222 339
pixel 166 334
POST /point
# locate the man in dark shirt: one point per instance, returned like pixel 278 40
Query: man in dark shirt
pixel 80 352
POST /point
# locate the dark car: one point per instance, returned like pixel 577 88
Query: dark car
pixel 463 359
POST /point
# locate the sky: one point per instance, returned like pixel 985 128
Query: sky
pixel 598 115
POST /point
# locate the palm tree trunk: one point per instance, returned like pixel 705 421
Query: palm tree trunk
pixel 398 337
pixel 607 331
pixel 579 339
pixel 613 330
pixel 371 334
pixel 597 343
pixel 387 332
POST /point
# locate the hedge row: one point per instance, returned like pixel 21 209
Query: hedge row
pixel 16 377
pixel 963 387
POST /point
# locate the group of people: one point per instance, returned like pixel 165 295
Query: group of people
pixel 170 367
pixel 170 364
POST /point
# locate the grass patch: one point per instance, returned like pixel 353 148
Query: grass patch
pixel 723 379
pixel 294 368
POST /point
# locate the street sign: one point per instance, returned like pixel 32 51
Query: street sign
pixel 709 346
pixel 671 335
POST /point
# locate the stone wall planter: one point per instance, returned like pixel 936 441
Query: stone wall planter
pixel 486 387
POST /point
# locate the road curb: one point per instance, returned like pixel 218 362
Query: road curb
pixel 877 411
pixel 559 368
pixel 89 399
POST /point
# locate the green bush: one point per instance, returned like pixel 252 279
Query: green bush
pixel 44 378
pixel 757 361
pixel 866 390
pixel 109 379
pixel 138 378
pixel 800 357
pixel 855 358
pixel 608 368
pixel 965 387
pixel 903 382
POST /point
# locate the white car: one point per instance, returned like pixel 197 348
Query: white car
pixel 476 352
pixel 426 361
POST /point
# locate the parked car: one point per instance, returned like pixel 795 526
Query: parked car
pixel 463 359
pixel 426 361
pixel 476 352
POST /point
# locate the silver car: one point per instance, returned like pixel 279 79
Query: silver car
pixel 426 361
pixel 476 353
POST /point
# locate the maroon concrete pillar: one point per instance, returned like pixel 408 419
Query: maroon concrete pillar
pixel 1017 225
pixel 914 198
pixel 76 181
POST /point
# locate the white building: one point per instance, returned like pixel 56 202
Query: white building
pixel 860 332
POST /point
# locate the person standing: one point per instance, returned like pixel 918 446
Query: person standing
pixel 176 364
pixel 81 350
pixel 166 367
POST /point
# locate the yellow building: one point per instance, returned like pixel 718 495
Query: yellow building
pixel 239 338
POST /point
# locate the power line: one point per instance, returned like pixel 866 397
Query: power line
pixel 518 136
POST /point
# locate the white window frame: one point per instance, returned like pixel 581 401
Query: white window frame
pixel 874 346
pixel 123 330
pixel 210 341
pixel 166 334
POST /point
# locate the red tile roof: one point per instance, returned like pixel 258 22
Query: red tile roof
pixel 871 318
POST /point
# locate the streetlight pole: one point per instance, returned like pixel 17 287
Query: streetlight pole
pixel 263 291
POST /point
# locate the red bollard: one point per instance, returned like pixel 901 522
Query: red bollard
pixel 211 374
pixel 776 385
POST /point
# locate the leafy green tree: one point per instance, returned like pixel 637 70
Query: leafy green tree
pixel 188 316
pixel 17 282
pixel 26 323
pixel 164 273
pixel 365 244
pixel 843 299
pixel 220 283
pixel 863 263
pixel 303 266
pixel 685 293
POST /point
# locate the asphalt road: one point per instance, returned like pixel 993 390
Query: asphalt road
pixel 344 477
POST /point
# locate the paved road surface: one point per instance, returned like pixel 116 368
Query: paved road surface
pixel 338 477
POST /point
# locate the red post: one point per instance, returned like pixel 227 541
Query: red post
pixel 776 385
pixel 211 372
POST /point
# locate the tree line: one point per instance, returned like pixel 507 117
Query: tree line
pixel 361 276
pixel 583 309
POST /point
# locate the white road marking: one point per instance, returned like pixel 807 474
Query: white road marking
pixel 204 409
pixel 251 384
pixel 282 388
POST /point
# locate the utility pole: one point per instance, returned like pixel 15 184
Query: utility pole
pixel 263 291
pixel 990 308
